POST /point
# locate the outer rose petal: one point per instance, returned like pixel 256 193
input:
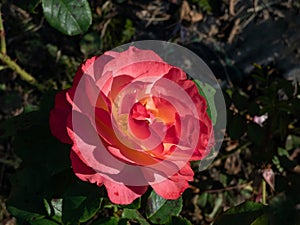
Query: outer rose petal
pixel 131 56
pixel 64 101
pixel 83 172
pixel 121 194
pixel 82 69
pixel 173 187
pixel 118 193
pixel 58 118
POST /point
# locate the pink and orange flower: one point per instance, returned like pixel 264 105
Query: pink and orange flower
pixel 133 120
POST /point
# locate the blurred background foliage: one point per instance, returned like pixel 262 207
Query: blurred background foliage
pixel 253 49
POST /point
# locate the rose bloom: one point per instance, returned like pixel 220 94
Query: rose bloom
pixel 133 120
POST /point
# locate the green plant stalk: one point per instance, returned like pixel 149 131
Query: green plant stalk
pixel 2 36
pixel 12 64
pixel 15 164
pixel 24 75
pixel 264 192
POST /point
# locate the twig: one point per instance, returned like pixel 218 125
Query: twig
pixel 2 35
pixel 239 186
pixel 24 75
pixel 11 63
pixel 264 191
pixel 155 19
pixel 255 3
pixel 238 149
pixel 8 162
pixel 234 31
pixel 105 27
pixel 257 8
pixel 244 24
pixel 231 7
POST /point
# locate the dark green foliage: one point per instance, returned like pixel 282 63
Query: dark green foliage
pixel 159 209
pixel 68 16
pixel 246 213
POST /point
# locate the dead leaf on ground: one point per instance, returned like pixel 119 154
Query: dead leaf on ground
pixel 188 14
pixel 10 221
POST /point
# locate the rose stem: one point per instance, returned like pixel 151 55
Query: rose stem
pixel 2 35
pixel 11 63
pixel 264 191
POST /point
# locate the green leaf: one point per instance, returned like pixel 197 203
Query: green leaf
pixel 10 127
pixel 10 101
pixel 90 44
pixel 240 100
pixel 47 103
pixel 43 222
pixel 260 77
pixel 283 122
pixel 120 1
pixel 262 220
pixel 255 133
pixel 207 5
pixel 26 198
pixel 43 149
pixel 54 208
pixel 282 152
pixel 80 203
pixel 286 163
pixel 296 106
pixel 292 141
pixel 59 183
pixel 243 214
pixel 283 209
pixel 202 200
pixel 134 215
pixel 276 162
pixel 159 209
pixel 287 87
pixel 70 17
pixel 177 220
pixel 236 125
pixel 135 205
pixel 22 207
pixel 208 92
pixel 57 206
pixel 253 108
pixel 128 31
pixel 217 205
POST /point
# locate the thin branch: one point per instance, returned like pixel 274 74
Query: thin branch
pixel 8 162
pixel 238 149
pixel 11 63
pixel 2 35
pixel 24 75
pixel 231 7
pixel 234 31
pixel 264 192
pixel 229 188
